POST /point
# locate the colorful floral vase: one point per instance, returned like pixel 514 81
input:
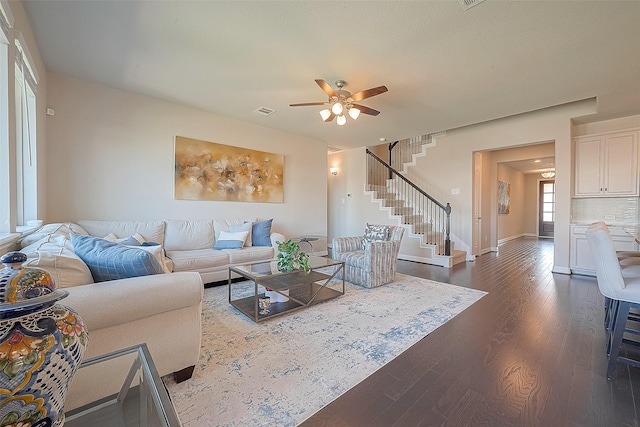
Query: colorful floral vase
pixel 41 346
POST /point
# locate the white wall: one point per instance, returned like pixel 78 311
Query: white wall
pixel 349 208
pixel 450 165
pixel 111 156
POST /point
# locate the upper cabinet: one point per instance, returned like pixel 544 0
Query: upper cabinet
pixel 606 165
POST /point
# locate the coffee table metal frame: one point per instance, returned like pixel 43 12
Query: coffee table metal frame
pixel 142 401
pixel 304 289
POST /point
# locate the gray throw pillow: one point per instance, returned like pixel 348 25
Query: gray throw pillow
pixel 375 233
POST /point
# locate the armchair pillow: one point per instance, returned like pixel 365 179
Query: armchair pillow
pixel 111 261
pixel 375 233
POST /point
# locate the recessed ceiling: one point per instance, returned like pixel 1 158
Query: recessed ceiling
pixel 536 165
pixel 445 67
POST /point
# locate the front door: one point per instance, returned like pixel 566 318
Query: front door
pixel 547 208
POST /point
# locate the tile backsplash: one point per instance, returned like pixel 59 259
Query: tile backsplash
pixel 612 210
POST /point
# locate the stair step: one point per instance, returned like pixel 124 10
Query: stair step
pixel 412 219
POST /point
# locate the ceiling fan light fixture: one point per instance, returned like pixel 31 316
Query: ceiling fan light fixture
pixel 337 108
pixel 354 113
pixel 341 120
pixel 325 114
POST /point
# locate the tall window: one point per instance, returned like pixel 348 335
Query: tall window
pixel 549 201
pixel 5 162
pixel 26 167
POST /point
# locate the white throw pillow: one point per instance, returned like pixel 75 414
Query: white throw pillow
pixel 55 254
pixel 229 240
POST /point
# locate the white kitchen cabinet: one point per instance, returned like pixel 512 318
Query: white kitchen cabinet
pixel 581 260
pixel 606 165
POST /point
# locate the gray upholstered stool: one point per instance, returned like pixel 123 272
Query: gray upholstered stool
pixel 622 294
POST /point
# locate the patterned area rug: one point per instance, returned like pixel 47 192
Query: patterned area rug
pixel 282 371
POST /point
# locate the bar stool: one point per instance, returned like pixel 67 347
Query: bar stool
pixel 622 294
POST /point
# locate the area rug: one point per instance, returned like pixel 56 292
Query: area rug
pixel 282 371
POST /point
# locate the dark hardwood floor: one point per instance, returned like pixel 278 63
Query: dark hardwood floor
pixel 530 353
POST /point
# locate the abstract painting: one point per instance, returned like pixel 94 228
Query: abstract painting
pixel 210 171
pixel 504 197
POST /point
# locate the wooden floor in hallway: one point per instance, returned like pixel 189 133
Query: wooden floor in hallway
pixel 530 353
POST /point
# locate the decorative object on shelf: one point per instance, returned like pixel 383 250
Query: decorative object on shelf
pixel 41 346
pixel 548 174
pixel 291 258
pixel 264 304
pixel 209 171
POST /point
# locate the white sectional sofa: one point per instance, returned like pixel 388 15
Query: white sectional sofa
pixel 162 310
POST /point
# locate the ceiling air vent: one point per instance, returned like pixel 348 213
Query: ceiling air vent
pixel 264 111
pixel 333 149
pixel 468 4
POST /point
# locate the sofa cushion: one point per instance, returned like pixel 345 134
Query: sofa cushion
pixel 197 259
pixel 183 235
pixel 135 240
pixel 55 254
pixel 247 226
pixel 151 231
pixel 153 248
pixel 261 232
pixel 112 261
pixel 229 240
pixel 251 254
pixel 220 225
pixel 63 229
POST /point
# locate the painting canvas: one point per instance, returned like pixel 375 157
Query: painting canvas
pixel 210 171
pixel 504 197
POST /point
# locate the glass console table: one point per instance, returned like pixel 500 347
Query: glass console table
pixel 142 401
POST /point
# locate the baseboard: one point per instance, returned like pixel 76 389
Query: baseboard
pixel 506 239
pixel 561 270
pixel 420 260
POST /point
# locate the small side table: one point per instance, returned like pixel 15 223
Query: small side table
pixel 313 245
pixel 142 401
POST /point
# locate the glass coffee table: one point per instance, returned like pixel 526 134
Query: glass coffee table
pixel 142 401
pixel 299 289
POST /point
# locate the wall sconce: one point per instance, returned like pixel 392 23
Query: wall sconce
pixel 334 171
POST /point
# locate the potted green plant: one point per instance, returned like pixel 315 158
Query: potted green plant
pixel 290 258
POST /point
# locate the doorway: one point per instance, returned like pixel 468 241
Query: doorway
pixel 546 208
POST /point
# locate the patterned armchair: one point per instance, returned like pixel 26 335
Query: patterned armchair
pixel 369 260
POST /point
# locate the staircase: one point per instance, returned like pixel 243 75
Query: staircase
pixel 426 220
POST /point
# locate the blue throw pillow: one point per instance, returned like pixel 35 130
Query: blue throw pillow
pixel 112 261
pixel 261 233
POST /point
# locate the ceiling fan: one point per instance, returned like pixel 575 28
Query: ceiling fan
pixel 341 101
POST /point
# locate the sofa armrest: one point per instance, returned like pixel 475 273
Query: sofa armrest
pixel 118 302
pixel 275 238
pixel 346 244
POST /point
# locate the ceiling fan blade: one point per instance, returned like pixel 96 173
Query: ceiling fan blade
pixel 306 104
pixel 326 88
pixel 331 117
pixel 368 93
pixel 366 110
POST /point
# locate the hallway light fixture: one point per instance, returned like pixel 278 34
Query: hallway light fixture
pixel 334 171
pixel 548 174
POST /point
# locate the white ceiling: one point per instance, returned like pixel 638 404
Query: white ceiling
pixel 444 67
